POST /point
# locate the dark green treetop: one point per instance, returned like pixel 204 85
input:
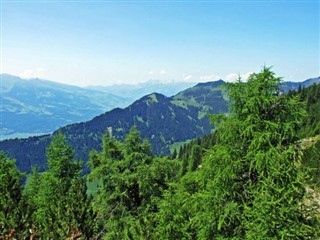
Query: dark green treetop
pixel 11 199
pixel 56 194
pixel 251 184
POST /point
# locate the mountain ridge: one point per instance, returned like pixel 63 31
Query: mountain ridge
pixel 160 119
pixel 136 91
pixel 37 106
pixel 157 117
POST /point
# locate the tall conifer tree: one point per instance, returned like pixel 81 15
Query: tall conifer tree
pixel 252 184
pixel 257 186
pixel 59 195
pixel 11 199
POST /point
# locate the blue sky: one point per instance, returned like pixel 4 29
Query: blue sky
pixel 107 42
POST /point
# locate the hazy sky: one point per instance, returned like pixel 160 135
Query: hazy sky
pixel 108 42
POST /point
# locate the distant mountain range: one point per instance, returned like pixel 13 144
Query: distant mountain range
pixel 163 120
pixel 136 91
pixel 33 107
pixel 286 86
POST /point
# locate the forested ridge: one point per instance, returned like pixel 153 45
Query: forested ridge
pixel 166 122
pixel 255 177
pixel 162 120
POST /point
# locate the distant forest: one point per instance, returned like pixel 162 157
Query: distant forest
pixel 255 177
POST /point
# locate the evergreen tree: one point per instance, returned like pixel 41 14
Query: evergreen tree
pixel 174 154
pixel 131 183
pixel 56 195
pixel 30 192
pixel 195 158
pixel 251 184
pixel 11 199
pixel 258 187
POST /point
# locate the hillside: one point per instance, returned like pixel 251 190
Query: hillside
pixel 33 107
pixel 308 133
pixel 161 120
pixel 252 164
pixel 287 86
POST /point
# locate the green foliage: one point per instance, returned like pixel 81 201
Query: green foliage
pixel 54 196
pixel 310 130
pixel 195 158
pixel 255 166
pixel 60 156
pixel 158 118
pixel 11 199
pixel 132 183
pixel 251 184
pixel 311 159
pixel 190 154
pixel 311 96
pixel 252 178
pixel 180 205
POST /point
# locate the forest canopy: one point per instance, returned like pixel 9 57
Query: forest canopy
pixel 250 180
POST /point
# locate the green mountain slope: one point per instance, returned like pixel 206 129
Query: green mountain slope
pixel 309 134
pixel 162 120
pixel 34 107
